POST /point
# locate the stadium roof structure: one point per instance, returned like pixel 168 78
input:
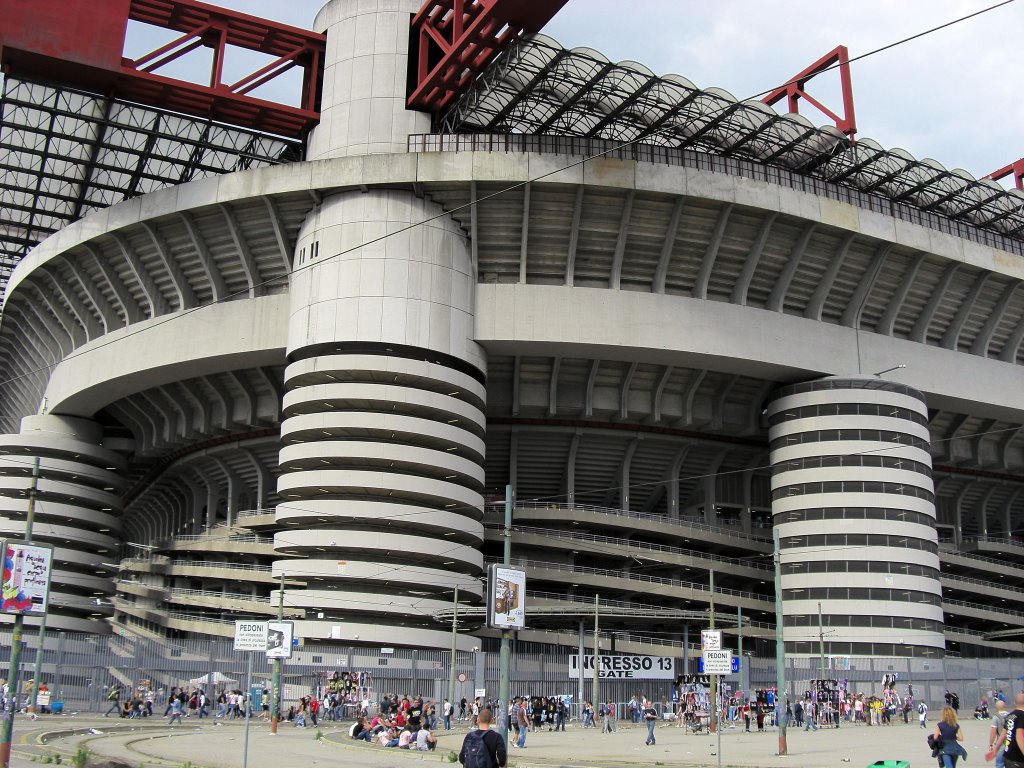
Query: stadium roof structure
pixel 65 152
pixel 538 87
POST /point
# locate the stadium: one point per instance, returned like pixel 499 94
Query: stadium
pixel 266 353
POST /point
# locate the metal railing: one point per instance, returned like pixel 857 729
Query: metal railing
pixel 1009 541
pixel 983 608
pixel 239 596
pixel 553 533
pixel 644 578
pixel 697 525
pixel 231 566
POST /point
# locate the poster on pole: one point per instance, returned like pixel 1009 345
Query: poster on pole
pixel 279 639
pixel 506 597
pixel 26 577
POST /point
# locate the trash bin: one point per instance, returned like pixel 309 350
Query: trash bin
pixel 889 764
pixel 57 707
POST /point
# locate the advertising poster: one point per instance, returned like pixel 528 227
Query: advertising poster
pixel 279 639
pixel 506 598
pixel 26 577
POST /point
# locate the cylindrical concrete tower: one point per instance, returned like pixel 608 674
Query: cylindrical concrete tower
pixel 365 74
pixel 853 501
pixel 382 457
pixel 77 511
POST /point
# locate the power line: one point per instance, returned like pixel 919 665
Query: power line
pixel 446 214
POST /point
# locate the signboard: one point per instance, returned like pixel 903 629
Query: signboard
pixel 280 637
pixel 735 665
pixel 43 699
pixel 251 636
pixel 717 662
pixel 711 639
pixel 480 693
pixel 624 666
pixel 26 577
pixel 506 597
pixel 841 663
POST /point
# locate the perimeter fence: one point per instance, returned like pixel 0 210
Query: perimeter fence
pixel 79 670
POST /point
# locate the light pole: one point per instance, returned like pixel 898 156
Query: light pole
pixel 10 704
pixel 780 651
pixel 455 635
pixel 505 660
pixel 275 680
pixel 597 654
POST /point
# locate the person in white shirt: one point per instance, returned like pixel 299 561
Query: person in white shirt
pixel 425 740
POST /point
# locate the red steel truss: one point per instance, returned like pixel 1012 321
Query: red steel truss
pixel 81 43
pixel 794 90
pixel 1015 169
pixel 455 40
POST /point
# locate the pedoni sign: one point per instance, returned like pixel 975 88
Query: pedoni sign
pixel 624 666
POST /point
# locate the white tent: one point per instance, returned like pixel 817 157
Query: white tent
pixel 219 678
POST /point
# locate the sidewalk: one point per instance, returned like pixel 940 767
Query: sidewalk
pixel 219 745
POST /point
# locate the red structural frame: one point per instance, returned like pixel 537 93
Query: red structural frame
pixel 454 41
pixel 81 43
pixel 1015 169
pixel 795 89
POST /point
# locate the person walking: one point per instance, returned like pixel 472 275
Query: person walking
pixel 175 712
pixel 809 720
pixel 650 716
pixel 523 721
pixel 612 716
pixel 950 733
pixel 483 747
pixel 922 714
pixel 995 734
pixel 446 713
pixel 561 715
pixel 1013 735
pixel 114 697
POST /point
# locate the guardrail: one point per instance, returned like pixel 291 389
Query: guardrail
pixel 661 580
pixel 181 592
pixel 683 522
pixel 985 608
pixel 232 566
pixel 552 533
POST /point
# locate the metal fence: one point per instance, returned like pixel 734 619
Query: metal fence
pixel 79 669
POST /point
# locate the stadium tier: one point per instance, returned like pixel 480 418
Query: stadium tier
pixel 682 327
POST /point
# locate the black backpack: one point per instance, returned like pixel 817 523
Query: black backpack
pixel 475 751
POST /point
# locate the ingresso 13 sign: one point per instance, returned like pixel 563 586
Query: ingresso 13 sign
pixel 624 666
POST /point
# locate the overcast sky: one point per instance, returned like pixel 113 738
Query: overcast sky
pixel 956 95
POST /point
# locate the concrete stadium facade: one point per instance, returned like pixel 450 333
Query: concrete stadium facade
pixel 323 374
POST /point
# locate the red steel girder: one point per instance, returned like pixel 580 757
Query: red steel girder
pixel 794 90
pixel 81 43
pixel 455 40
pixel 1015 169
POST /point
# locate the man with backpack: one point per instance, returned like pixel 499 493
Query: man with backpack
pixel 483 748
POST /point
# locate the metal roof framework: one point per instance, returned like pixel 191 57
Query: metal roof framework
pixel 66 152
pixel 538 87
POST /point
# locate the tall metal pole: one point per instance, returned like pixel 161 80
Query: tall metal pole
pixel 739 648
pixel 37 669
pixel 821 645
pixel 275 680
pixel 597 656
pixel 10 704
pixel 505 660
pixel 713 722
pixel 780 652
pixel 247 699
pixel 582 658
pixel 455 622
pixel 716 726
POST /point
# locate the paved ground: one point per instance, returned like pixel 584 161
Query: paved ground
pixel 214 745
